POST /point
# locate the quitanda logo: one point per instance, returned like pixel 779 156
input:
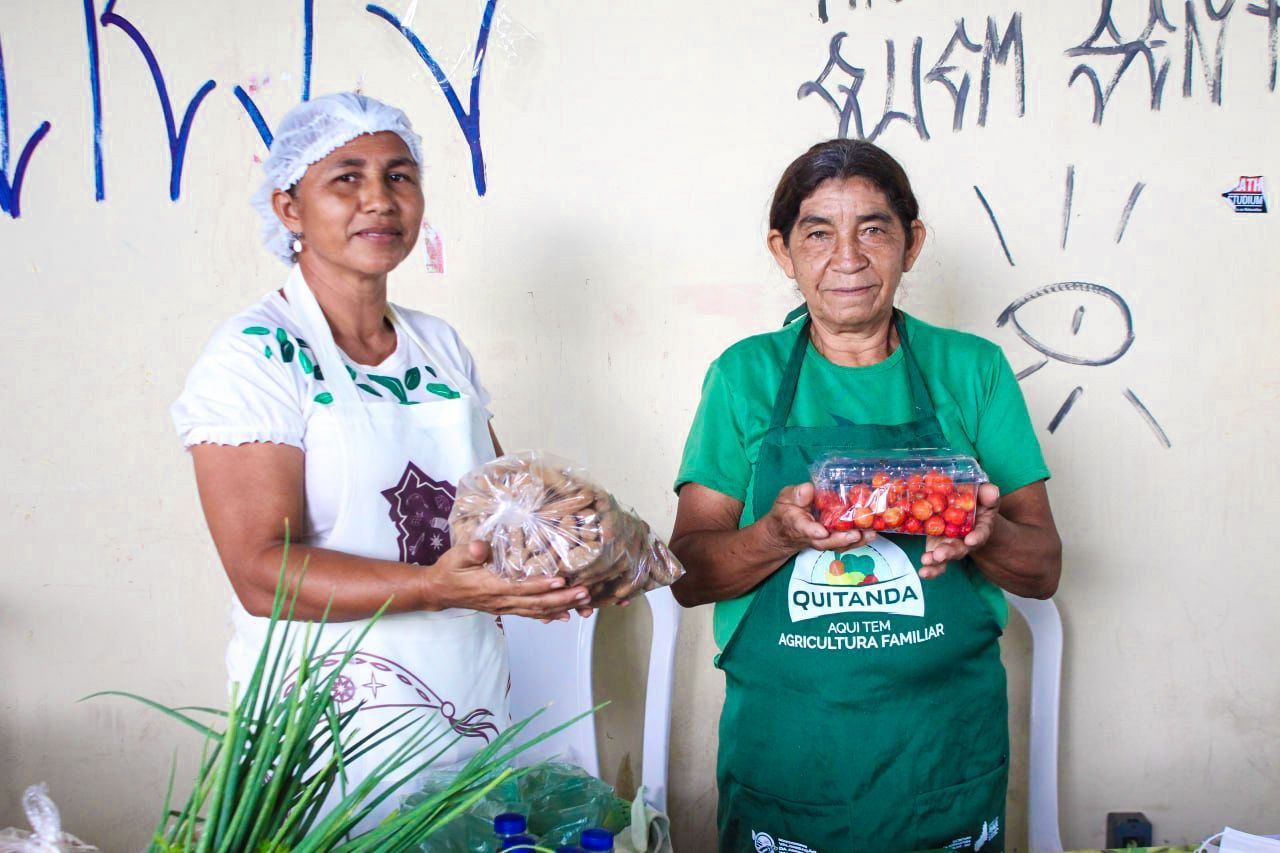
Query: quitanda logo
pixel 876 578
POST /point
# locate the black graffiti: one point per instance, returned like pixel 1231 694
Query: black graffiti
pixel 853 4
pixel 840 82
pixel 1204 44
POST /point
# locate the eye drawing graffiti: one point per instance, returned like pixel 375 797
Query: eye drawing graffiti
pixel 1077 293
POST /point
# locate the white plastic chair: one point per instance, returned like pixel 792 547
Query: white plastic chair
pixel 1046 679
pixel 552 664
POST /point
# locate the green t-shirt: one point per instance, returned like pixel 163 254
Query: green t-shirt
pixel 974 391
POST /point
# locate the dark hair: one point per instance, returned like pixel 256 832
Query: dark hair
pixel 841 159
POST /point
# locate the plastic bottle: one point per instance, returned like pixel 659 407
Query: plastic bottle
pixel 512 841
pixel 596 839
pixel 508 825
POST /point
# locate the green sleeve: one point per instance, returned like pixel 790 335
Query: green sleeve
pixel 715 453
pixel 1006 442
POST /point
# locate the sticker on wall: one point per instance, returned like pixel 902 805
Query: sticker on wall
pixel 1248 195
pixel 432 248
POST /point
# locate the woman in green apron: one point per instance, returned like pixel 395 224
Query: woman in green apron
pixel 857 722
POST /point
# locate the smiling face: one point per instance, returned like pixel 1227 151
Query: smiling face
pixel 359 209
pixel 847 252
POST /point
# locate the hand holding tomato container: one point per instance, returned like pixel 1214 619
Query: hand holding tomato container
pixel 915 493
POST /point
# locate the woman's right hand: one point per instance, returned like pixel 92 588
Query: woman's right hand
pixel 791 526
pixel 461 578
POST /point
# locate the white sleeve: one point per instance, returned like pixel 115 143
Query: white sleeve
pixel 236 394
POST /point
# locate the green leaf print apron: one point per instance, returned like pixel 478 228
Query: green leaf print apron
pixel 861 718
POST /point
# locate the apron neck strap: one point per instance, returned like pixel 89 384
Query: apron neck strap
pixel 306 310
pixel 920 397
pixel 403 327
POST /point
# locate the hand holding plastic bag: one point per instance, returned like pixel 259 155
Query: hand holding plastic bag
pixel 544 516
pixel 48 836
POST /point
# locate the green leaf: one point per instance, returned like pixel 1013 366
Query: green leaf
pixel 430 369
pixel 164 709
pixel 307 367
pixel 286 351
pixel 391 384
pixel 374 391
pixel 324 398
pixel 350 372
pixel 256 330
pixel 443 391
pixel 267 351
pixel 318 374
pixel 412 377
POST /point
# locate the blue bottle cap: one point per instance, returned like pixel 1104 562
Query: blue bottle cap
pixel 517 841
pixel 596 839
pixel 509 823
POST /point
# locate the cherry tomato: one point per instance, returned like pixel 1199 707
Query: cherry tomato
pixel 858 495
pixel 893 517
pixel 834 518
pixel 955 515
pixel 880 479
pixel 912 525
pixel 951 531
pixel 966 529
pixel 937 501
pixel 935 526
pixel 965 502
pixel 915 482
pixel 965 488
pixel 825 499
pixel 863 517
pixel 878 523
pixel 922 509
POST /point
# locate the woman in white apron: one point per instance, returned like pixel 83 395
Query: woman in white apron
pixel 329 408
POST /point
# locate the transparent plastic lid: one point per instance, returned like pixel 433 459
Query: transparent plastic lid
pixel 930 492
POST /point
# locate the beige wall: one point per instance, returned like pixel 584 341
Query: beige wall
pixel 631 151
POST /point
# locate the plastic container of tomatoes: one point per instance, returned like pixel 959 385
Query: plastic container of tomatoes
pixel 913 492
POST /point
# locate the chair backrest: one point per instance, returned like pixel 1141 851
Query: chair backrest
pixel 552 664
pixel 1046 679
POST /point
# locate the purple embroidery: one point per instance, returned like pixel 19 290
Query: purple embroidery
pixel 420 509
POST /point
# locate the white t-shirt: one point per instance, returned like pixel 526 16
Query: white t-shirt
pixel 256 381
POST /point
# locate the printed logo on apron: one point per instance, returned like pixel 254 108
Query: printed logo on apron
pixel 371 681
pixel 875 578
pixel 420 511
pixel 764 843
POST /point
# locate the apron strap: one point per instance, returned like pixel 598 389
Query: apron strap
pixel 460 382
pixel 309 316
pixel 921 399
pixel 790 377
pixel 320 337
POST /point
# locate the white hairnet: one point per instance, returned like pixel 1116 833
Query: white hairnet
pixel 310 132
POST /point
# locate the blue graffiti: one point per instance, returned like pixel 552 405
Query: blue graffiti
pixel 246 100
pixel 177 137
pixel 468 119
pixel 11 189
pixel 95 91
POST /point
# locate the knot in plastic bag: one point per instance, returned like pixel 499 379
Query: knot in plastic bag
pixel 43 816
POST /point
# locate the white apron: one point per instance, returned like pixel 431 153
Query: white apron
pixel 401 464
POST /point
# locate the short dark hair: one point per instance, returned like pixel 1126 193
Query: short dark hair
pixel 841 159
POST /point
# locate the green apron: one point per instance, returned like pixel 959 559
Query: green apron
pixel 860 718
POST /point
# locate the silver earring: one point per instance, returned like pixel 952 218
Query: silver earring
pixel 297 243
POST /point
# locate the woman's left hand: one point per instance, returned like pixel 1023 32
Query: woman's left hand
pixel 938 550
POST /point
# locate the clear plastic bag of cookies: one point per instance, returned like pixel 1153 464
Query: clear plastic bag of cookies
pixel 542 515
